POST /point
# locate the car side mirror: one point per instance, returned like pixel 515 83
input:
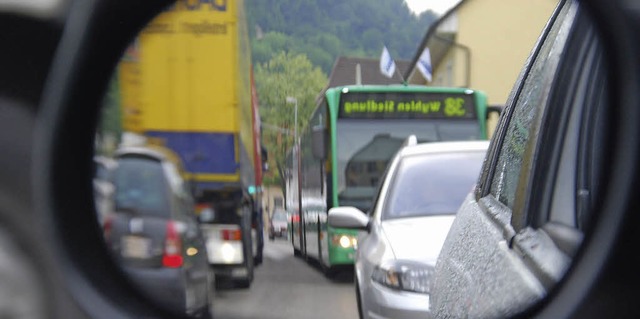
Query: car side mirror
pixel 348 217
pixel 319 142
pixel 494 110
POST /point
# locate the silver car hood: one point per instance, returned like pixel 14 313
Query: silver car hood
pixel 418 238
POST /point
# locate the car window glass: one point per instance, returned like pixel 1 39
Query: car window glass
pixel 527 108
pixel 175 180
pixel 584 89
pixel 180 198
pixel 432 184
pixel 141 187
pixel 592 166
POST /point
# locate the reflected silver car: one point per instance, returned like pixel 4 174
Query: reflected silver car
pixel 279 223
pixel 404 231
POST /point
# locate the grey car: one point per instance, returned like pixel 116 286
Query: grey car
pixel 153 231
pixel 278 224
pixel 403 233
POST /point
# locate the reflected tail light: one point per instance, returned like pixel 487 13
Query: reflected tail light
pixel 107 224
pixel 231 234
pixel 172 257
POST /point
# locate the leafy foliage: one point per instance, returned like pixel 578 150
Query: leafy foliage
pixel 285 75
pixel 110 126
pixel 326 29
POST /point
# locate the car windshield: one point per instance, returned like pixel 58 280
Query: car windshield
pixel 365 148
pixel 432 184
pixel 141 187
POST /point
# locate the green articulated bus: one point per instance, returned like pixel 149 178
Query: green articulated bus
pixel 346 145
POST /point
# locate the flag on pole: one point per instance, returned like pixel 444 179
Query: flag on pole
pixel 387 65
pixel 424 64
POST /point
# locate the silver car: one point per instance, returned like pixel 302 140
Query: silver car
pixel 404 231
pixel 279 223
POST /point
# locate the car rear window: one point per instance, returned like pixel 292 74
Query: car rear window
pixel 432 184
pixel 141 187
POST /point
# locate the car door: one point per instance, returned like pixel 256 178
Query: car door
pixel 514 241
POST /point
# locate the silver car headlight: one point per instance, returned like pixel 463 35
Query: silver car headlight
pixel 404 275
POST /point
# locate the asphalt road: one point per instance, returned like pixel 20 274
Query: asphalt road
pixel 288 287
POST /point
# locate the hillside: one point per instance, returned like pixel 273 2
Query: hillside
pixel 326 29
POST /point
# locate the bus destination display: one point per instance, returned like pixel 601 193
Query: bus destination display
pixel 407 105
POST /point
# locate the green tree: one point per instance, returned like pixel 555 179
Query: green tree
pixel 326 29
pixel 285 75
pixel 271 43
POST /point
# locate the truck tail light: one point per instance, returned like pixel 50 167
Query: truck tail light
pixel 231 234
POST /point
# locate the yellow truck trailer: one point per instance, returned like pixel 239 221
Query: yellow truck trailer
pixel 186 83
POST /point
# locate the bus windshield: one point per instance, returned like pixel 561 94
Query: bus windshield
pixel 365 147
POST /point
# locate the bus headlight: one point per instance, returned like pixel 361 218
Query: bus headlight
pixel 404 275
pixel 345 241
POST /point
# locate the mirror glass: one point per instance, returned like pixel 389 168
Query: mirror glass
pixel 210 190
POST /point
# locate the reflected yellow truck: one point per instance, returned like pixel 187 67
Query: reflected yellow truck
pixel 186 83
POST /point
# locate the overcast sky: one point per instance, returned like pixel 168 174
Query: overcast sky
pixel 439 6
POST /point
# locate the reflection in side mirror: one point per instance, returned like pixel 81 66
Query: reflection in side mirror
pixel 348 217
pixel 181 108
pixel 319 142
